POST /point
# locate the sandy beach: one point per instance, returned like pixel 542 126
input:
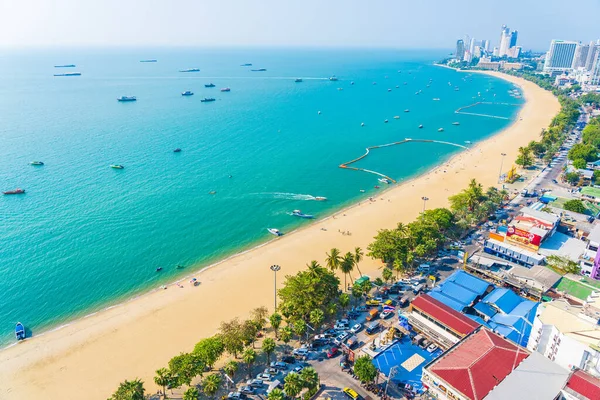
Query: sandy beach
pixel 88 358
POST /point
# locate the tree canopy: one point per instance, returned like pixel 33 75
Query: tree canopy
pixel 129 390
pixel 575 205
pixel 364 369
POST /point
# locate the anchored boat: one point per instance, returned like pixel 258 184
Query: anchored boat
pixel 127 98
pixel 320 198
pixel 36 163
pixel 298 213
pixel 20 331
pixel 16 191
pixel 274 231
pixel 187 93
pixel 207 99
pixel 117 166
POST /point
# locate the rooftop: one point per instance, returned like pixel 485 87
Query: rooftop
pixel 583 386
pixel 536 378
pixel 562 245
pixel 544 276
pixel 444 314
pixel 594 235
pixel 571 321
pixel 460 290
pixel 590 191
pixel 544 216
pixel 573 288
pixel 478 363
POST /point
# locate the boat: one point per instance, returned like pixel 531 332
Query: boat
pixel 190 70
pixel 20 331
pixel 384 180
pixel 456 123
pixel 376 186
pixel 352 83
pixel 397 86
pixel 420 126
pixel 187 93
pixel 117 166
pixel 148 61
pixel 298 213
pixel 177 150
pixel 246 65
pixel 209 85
pixel 69 74
pixel 374 83
pixel 362 124
pixel 417 93
pixel 320 198
pixel 226 89
pixel 389 90
pixel 298 80
pixel 385 121
pixel 407 110
pixel 36 163
pixel 340 88
pixel 456 89
pixel 212 192
pixel 16 191
pixel 274 231
pixel 441 130
pixel 405 83
pixel 159 269
pixel 333 78
pixel 362 190
pixel 436 99
pixel 207 99
pixel 259 70
pixel 65 66
pixel 396 117
pixel 467 142
pixel 126 98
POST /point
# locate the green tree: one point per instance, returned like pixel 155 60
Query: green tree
pixel 212 383
pixel 268 347
pixel 275 320
pixel 579 163
pixel 310 378
pixel 293 385
pixel 344 300
pixel 596 175
pixel 366 287
pixel 231 368
pixel 399 267
pixel 378 282
pixel 333 260
pixel 249 357
pixel 259 316
pixel 163 378
pixel 538 149
pixel 248 332
pixel 185 367
pixel 210 350
pixel 300 327
pixel 357 292
pixel 316 318
pixel 572 178
pixel 524 158
pixel 232 336
pixel 286 334
pixel 387 275
pixel 191 393
pixel 563 264
pixel 347 266
pixel 276 394
pixel 587 152
pixel 129 390
pixel 364 369
pixel 575 206
pixel 358 257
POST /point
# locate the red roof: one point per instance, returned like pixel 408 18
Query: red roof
pixel 478 363
pixel 445 315
pixel 584 384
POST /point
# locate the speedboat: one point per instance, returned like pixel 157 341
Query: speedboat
pixel 467 142
pixel 352 83
pixel 298 80
pixel 209 85
pixel 320 198
pixel 436 99
pixel 117 166
pixel 127 98
pixel 397 86
pixel 389 90
pixel 246 65
pixel 65 66
pixel 441 130
pixel 190 70
pixel 16 191
pixel 456 123
pixel 362 124
pixel 420 126
pixel 376 186
pixel 207 99
pixel 259 70
pixel 333 78
pixel 384 180
pixel 177 150
pixel 36 163
pixel 226 89
pixel 212 192
pixel 396 117
pixel 385 121
pixel 407 110
pixel 69 74
pixel 148 61
pixel 20 331
pixel 340 88
pixel 298 213
pixel 187 93
pixel 274 231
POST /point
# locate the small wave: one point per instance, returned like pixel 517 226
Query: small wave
pixel 286 196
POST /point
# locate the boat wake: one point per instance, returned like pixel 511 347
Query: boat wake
pixel 286 196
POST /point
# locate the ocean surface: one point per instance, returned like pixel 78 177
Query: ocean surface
pixel 85 236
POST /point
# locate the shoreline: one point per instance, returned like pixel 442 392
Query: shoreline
pixel 132 339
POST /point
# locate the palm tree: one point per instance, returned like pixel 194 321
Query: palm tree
pixel 310 378
pixel 231 368
pixel 347 266
pixel 398 266
pixel 333 259
pixel 387 275
pixel 212 383
pixel 358 257
pixel 293 385
pixel 191 394
pixel 313 267
pixel 163 378
pixel 344 300
pixel 357 292
pixel 316 318
pixel 129 390
pixel 276 394
pixel 249 358
pixel 268 347
pixel 402 229
pixel 275 320
pixel 286 334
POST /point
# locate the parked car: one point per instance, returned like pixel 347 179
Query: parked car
pixel 432 347
pixel 373 327
pixel 288 359
pixel 356 328
pixel 298 369
pixel 329 333
pixel 332 352
pixel 372 303
pixel 301 352
pixel 263 377
pixel 236 396
pixel 351 393
pixel 280 365
pixel 341 338
pixel 341 327
pixel 247 390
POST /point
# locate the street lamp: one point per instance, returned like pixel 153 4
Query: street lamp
pixel 424 202
pixel 501 162
pixel 275 268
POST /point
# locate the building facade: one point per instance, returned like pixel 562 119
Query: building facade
pixel 560 56
pixel 460 49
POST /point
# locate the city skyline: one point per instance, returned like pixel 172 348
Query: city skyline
pixel 295 24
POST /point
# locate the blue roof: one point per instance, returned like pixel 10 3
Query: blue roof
pixel 504 299
pixel 524 309
pixel 468 281
pixel 485 309
pixel 450 302
pixel 513 326
pixel 457 292
pixel 477 319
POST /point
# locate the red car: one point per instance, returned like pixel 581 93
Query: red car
pixel 332 352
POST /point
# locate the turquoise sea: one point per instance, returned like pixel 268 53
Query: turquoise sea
pixel 85 236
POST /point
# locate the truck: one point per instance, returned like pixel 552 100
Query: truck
pixel 352 342
pixel 372 314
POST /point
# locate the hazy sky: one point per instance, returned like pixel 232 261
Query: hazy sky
pixel 355 23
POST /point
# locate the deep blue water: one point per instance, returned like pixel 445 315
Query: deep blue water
pixel 85 235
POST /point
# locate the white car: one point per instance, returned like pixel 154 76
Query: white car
pixel 300 352
pixel 432 347
pixel 356 328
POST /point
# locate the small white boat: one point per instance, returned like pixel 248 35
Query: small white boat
pixel 384 180
pixel 362 124
pixel 396 117
pixel 456 123
pixel 436 99
pixel 320 198
pixel 274 231
pixel 420 126
pixel 385 121
pixel 467 142
pixel 441 130
pixel 298 213
pixel 333 78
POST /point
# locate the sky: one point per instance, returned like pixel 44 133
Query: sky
pixel 291 23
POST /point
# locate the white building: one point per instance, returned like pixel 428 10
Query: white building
pixel 560 56
pixel 567 334
pixel 591 55
pixel 581 53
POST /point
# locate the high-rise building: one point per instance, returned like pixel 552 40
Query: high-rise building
pixel 591 56
pixel 496 52
pixel 460 49
pixel 513 38
pixel 581 53
pixel 595 68
pixel 485 45
pixel 508 41
pixel 560 56
pixel 472 45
